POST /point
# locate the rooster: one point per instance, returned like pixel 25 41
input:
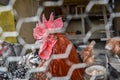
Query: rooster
pixel 56 43
pixel 113 45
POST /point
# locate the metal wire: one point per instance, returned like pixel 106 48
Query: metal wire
pixel 35 18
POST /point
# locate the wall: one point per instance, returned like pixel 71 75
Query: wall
pixel 26 8
pixel 117 20
pixel 74 26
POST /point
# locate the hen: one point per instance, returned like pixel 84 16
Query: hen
pixel 87 53
pixel 56 43
pixel 7 50
pixel 113 44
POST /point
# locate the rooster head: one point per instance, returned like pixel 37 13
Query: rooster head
pixel 42 32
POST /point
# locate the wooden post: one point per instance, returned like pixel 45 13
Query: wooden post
pixel 105 21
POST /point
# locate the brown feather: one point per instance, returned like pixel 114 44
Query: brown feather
pixel 60 67
pixel 113 44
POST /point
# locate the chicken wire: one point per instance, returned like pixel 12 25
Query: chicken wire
pixel 35 18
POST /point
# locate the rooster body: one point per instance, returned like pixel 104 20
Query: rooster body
pixel 60 67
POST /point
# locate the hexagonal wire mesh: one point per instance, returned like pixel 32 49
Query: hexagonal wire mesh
pixel 35 18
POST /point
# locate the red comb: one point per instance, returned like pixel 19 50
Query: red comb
pixel 41 31
pixel 42 28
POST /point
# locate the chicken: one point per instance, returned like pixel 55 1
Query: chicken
pixel 87 53
pixel 113 45
pixel 7 50
pixel 56 43
pixel 20 68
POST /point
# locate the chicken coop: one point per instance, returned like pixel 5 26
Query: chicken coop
pixel 59 40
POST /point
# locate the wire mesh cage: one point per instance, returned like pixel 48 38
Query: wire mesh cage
pixel 19 59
